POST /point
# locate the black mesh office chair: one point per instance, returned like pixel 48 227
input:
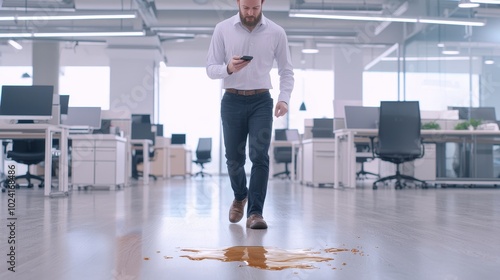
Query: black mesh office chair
pixel 29 152
pixel 142 131
pixel 398 139
pixel 203 155
pixel 362 173
pixel 282 154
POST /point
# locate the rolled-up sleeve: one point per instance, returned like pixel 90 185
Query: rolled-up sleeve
pixel 216 66
pixel 285 69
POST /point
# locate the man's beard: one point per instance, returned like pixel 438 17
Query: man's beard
pixel 252 23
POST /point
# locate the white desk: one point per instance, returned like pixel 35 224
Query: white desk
pixel 44 131
pixel 144 143
pixel 345 173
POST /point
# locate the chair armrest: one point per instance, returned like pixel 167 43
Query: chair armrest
pixel 5 143
pixel 422 154
pixel 372 145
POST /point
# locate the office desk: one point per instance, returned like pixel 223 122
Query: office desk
pixel 179 161
pixel 44 131
pixel 144 146
pixel 170 160
pixel 345 173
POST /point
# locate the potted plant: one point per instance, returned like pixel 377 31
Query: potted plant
pixel 468 125
pixel 431 125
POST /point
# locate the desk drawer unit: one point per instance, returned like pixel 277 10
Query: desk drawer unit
pixel 318 163
pixel 178 162
pixel 98 162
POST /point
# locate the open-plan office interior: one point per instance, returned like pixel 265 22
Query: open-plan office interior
pixel 387 165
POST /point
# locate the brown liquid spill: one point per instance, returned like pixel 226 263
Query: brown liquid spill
pixel 268 258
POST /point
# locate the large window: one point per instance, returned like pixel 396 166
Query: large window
pixel 315 89
pixel 190 104
pixel 15 75
pixel 87 86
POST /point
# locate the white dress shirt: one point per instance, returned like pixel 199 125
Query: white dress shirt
pixel 267 42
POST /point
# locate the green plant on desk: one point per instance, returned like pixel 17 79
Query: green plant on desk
pixel 431 125
pixel 475 123
pixel 466 124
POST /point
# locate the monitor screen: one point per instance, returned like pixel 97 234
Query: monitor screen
pixel 141 118
pixel 63 103
pixel 26 102
pixel 178 139
pixel 105 127
pixel 280 134
pixel 361 117
pixel 142 131
pixel 83 117
pixel 159 129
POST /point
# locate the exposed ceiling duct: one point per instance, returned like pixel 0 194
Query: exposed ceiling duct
pixel 354 6
pixel 40 5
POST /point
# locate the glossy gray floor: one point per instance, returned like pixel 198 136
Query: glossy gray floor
pixel 139 232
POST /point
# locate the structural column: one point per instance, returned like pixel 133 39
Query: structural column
pixel 46 56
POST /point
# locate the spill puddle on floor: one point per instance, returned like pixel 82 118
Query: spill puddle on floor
pixel 268 258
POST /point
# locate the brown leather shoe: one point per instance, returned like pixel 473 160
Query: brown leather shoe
pixel 237 210
pixel 256 221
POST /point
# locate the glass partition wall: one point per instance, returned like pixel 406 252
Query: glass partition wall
pixel 444 67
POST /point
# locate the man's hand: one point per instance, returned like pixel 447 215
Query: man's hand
pixel 281 109
pixel 236 64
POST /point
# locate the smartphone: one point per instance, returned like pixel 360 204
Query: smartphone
pixel 246 57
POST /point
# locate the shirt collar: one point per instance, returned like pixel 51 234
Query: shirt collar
pixel 237 20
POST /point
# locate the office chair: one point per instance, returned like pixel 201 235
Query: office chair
pixel 142 131
pixel 203 155
pixel 283 155
pixel 398 139
pixel 29 152
pixel 362 173
pixel 138 158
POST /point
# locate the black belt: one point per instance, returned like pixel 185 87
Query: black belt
pixel 246 92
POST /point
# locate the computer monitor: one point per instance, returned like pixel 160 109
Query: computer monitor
pixel 141 118
pixel 178 139
pixel 26 102
pixel 142 131
pixel 280 134
pixel 105 127
pixel 63 104
pixel 292 135
pixel 322 128
pixel 159 129
pixel 360 117
pixel 83 117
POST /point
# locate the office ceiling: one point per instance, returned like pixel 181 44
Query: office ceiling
pixel 177 26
